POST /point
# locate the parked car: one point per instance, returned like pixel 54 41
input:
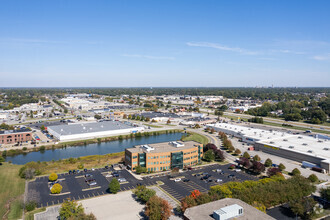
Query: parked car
pixel 85 170
pixel 231 176
pixel 121 180
pixel 88 175
pixel 219 170
pixel 177 180
pixel 106 167
pixel 70 171
pixel 219 180
pixel 238 170
pixel 186 180
pixel 108 175
pixel 115 175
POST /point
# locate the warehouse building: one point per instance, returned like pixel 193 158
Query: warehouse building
pixel 88 130
pixel 294 147
pixel 164 156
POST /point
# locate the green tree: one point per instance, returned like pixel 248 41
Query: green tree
pixel 42 127
pixel 303 207
pixel 313 178
pixel 295 172
pixel 256 158
pixel 237 152
pixel 281 166
pixel 158 209
pixel 114 186
pixel 268 162
pixel 143 193
pixel 70 209
pixel 325 193
pixel 209 156
pixel 246 155
pixel 53 177
pixel 98 117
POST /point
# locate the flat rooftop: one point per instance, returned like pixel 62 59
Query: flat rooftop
pixel 89 127
pixel 302 144
pixel 205 211
pixel 308 145
pixel 163 147
pixel 159 115
pixel 23 130
pixel 254 133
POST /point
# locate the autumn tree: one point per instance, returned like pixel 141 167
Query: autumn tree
pixel 158 209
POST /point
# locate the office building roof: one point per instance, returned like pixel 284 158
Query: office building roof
pixel 15 131
pixel 205 211
pixel 88 127
pixel 163 147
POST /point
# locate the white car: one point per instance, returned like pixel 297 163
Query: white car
pixel 238 170
pixel 177 180
pixel 219 180
pixel 108 175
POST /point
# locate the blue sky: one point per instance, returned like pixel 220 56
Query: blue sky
pixel 164 43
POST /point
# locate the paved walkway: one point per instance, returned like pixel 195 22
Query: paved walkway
pixel 51 213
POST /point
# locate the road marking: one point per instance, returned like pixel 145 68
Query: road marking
pixel 83 195
pixel 93 194
pixel 47 203
pixel 53 202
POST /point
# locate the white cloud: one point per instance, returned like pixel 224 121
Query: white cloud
pixel 288 52
pixel 148 57
pixel 325 57
pixel 222 47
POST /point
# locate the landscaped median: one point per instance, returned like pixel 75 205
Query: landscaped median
pixel 192 136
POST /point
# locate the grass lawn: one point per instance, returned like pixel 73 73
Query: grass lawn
pixel 153 126
pixel 196 137
pixel 11 192
pixel 93 161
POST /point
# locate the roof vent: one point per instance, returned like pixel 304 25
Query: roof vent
pixel 309 151
pixel 291 147
pixel 285 139
pixel 326 148
pixel 300 137
pixel 305 144
pixel 272 142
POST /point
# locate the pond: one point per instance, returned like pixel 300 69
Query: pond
pixel 91 149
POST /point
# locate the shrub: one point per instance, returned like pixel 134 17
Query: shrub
pixel 53 177
pixel 295 172
pixel 139 169
pixel 281 166
pixel 80 166
pixel 313 178
pixel 30 206
pixel 325 193
pixel 24 148
pixel 56 189
pixel 143 193
pixel 114 186
pixel 268 162
pixel 273 171
pixel 42 148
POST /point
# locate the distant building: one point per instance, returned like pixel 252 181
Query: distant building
pixel 15 136
pixel 164 156
pixel 88 130
pixel 224 209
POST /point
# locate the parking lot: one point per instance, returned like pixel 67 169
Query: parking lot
pixel 76 187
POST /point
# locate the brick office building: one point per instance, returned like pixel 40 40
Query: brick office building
pixel 164 156
pixel 15 136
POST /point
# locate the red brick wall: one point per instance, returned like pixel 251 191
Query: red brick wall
pixel 15 137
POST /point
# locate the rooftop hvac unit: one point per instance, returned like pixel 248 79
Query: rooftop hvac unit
pixel 300 137
pixel 305 144
pixel 228 212
pixel 272 142
pixel 325 148
pixel 309 151
pixel 320 141
pixel 291 147
pixel 285 139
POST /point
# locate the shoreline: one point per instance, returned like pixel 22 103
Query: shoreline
pixel 78 143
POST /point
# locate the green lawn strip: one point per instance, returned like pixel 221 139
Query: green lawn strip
pixel 169 195
pixel 153 126
pixel 12 188
pixel 196 137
